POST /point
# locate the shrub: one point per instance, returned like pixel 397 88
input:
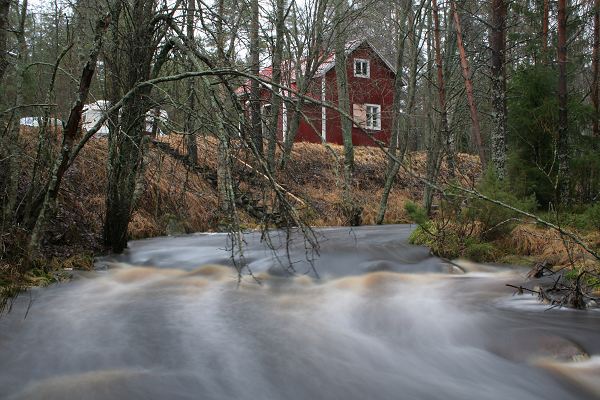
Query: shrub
pixel 481 252
pixel 496 220
pixel 415 212
pixel 592 216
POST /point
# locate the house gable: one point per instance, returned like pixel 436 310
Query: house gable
pixel 351 47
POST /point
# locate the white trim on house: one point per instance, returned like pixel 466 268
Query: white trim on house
pixel 367 71
pixel 284 122
pixel 323 108
pixel 373 123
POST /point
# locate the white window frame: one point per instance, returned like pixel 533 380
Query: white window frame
pixel 362 60
pixel 369 121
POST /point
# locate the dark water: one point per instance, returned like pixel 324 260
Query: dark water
pixel 384 321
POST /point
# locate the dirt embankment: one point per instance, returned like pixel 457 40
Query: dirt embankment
pixel 179 199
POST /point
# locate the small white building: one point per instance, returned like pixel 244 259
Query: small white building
pixel 36 122
pixel 93 112
pixel 91 115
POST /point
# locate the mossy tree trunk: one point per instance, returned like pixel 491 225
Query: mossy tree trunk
pixel 126 149
pixel 190 137
pixel 441 87
pixel 498 70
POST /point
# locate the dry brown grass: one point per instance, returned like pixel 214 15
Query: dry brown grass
pixel 545 244
pixel 177 200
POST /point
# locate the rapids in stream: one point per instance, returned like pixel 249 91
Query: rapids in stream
pixel 383 320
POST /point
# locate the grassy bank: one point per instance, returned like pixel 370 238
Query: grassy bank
pixel 177 199
pixel 480 231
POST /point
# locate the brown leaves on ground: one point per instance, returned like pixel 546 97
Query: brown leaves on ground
pixel 177 199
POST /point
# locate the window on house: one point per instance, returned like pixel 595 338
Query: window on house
pixel 362 68
pixel 373 116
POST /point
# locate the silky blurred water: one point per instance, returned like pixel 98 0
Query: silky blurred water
pixel 383 320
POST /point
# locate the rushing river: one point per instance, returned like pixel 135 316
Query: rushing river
pixel 384 320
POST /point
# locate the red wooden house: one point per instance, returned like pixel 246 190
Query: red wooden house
pixel 371 89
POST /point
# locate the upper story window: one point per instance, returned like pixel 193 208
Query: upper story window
pixel 362 68
pixel 373 116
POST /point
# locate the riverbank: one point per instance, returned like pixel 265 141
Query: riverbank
pixel 568 264
pixel 177 199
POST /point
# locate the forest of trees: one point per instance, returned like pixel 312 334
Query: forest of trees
pixel 514 82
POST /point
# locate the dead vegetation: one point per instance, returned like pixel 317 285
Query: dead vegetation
pixel 178 199
pixel 550 247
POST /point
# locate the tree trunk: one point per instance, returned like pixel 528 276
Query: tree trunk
pixel 276 101
pixel 341 72
pixel 596 70
pixel 393 165
pixel 434 140
pixel 545 16
pixel 563 128
pixel 255 117
pixel 466 73
pixel 190 137
pixel 444 129
pixel 68 140
pixel 498 48
pixel 10 157
pixel 4 13
pixel 43 158
pixel 126 153
pixel 225 189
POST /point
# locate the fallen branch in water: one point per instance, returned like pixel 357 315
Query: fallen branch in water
pixel 563 292
pixel 521 289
